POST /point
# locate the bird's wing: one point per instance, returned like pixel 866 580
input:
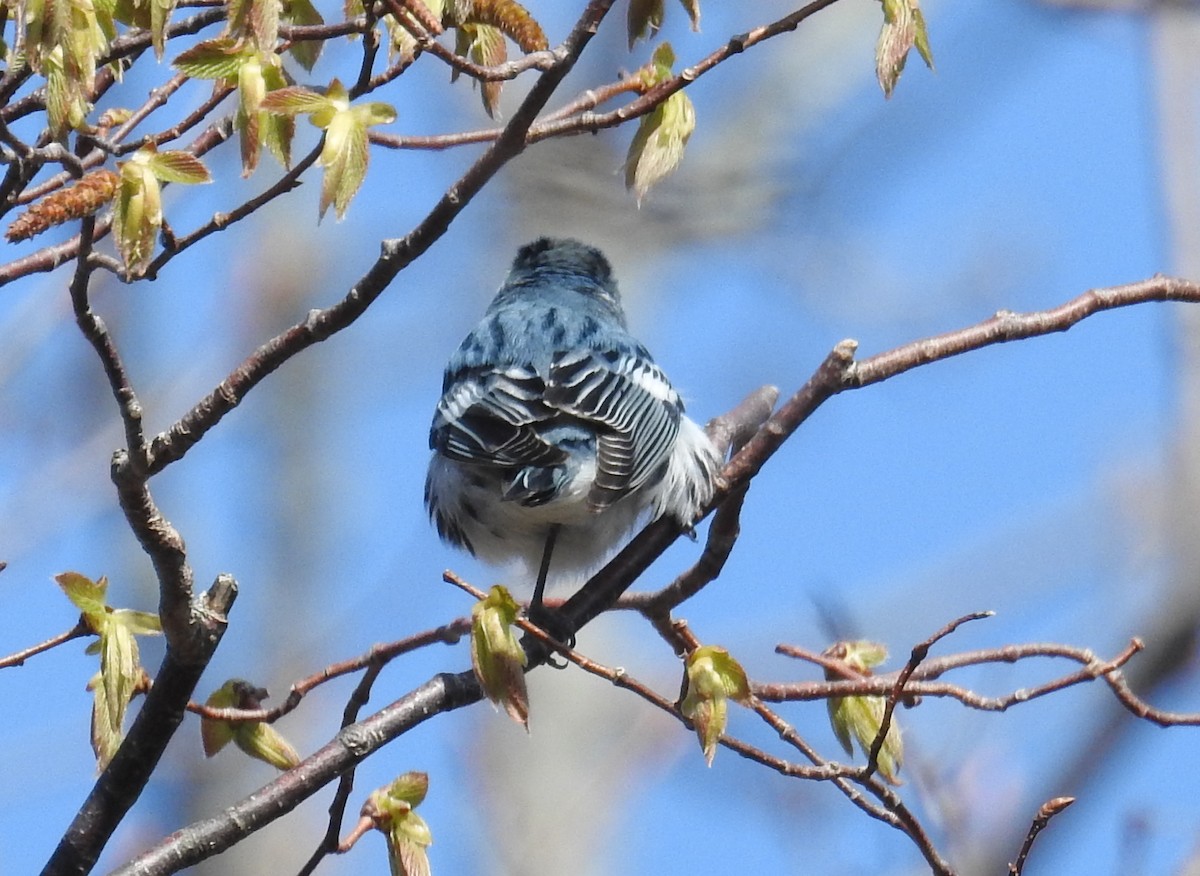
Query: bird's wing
pixel 490 417
pixel 633 407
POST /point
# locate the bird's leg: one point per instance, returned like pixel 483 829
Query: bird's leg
pixel 544 571
pixel 550 621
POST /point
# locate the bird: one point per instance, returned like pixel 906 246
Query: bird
pixel 556 432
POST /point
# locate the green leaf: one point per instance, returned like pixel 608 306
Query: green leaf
pixel 484 45
pixel 105 11
pixel 160 17
pixel 409 788
pixel 402 46
pixel 263 742
pixel 302 12
pixel 345 161
pixel 644 19
pixel 390 810
pixel 105 741
pixel 119 667
pixel 82 38
pixel 692 7
pixel 214 734
pixel 179 167
pixel 236 12
pixel 337 94
pixel 135 13
pixel 497 656
pixel 373 113
pixel 140 623
pixel 88 596
pixel 137 212
pixel 219 58
pixel 658 145
pixel 346 152
pixel 264 23
pixel 252 88
pixel 921 37
pixel 276 131
pixel 711 678
pixel 66 104
pixel 295 100
pixel 860 718
pixel 256 738
pixel 663 60
pixel 903 27
pixel 407 857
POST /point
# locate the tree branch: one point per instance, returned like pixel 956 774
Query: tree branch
pixel 18 659
pixel 202 840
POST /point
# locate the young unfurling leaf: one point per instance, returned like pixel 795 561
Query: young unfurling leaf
pixel 67 105
pixel 255 73
pixel 121 674
pixel 497 656
pixel 137 210
pixel 160 17
pixel 643 19
pixel 302 12
pixel 692 7
pixel 255 21
pixel 345 153
pixel 657 146
pixel 256 738
pixel 86 595
pixel 484 45
pixel 219 58
pixel 391 810
pixel 137 214
pixel 860 718
pixel 903 28
pixel 178 167
pixel 712 677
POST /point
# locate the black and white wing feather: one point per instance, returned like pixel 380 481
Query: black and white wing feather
pixel 631 405
pixel 492 418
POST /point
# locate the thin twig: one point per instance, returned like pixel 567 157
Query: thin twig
pixel 378 655
pixel 1048 810
pixel 919 653
pixel 920 683
pixel 890 810
pixel 19 658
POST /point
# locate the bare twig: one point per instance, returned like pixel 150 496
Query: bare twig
pixel 890 810
pixel 918 655
pixel 330 843
pixel 1048 810
pixel 729 431
pixel 213 835
pixel 921 682
pixel 377 656
pixel 19 658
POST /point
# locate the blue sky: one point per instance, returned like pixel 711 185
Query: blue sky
pixel 1027 479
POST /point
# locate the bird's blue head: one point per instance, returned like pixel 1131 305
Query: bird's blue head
pixel 563 264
